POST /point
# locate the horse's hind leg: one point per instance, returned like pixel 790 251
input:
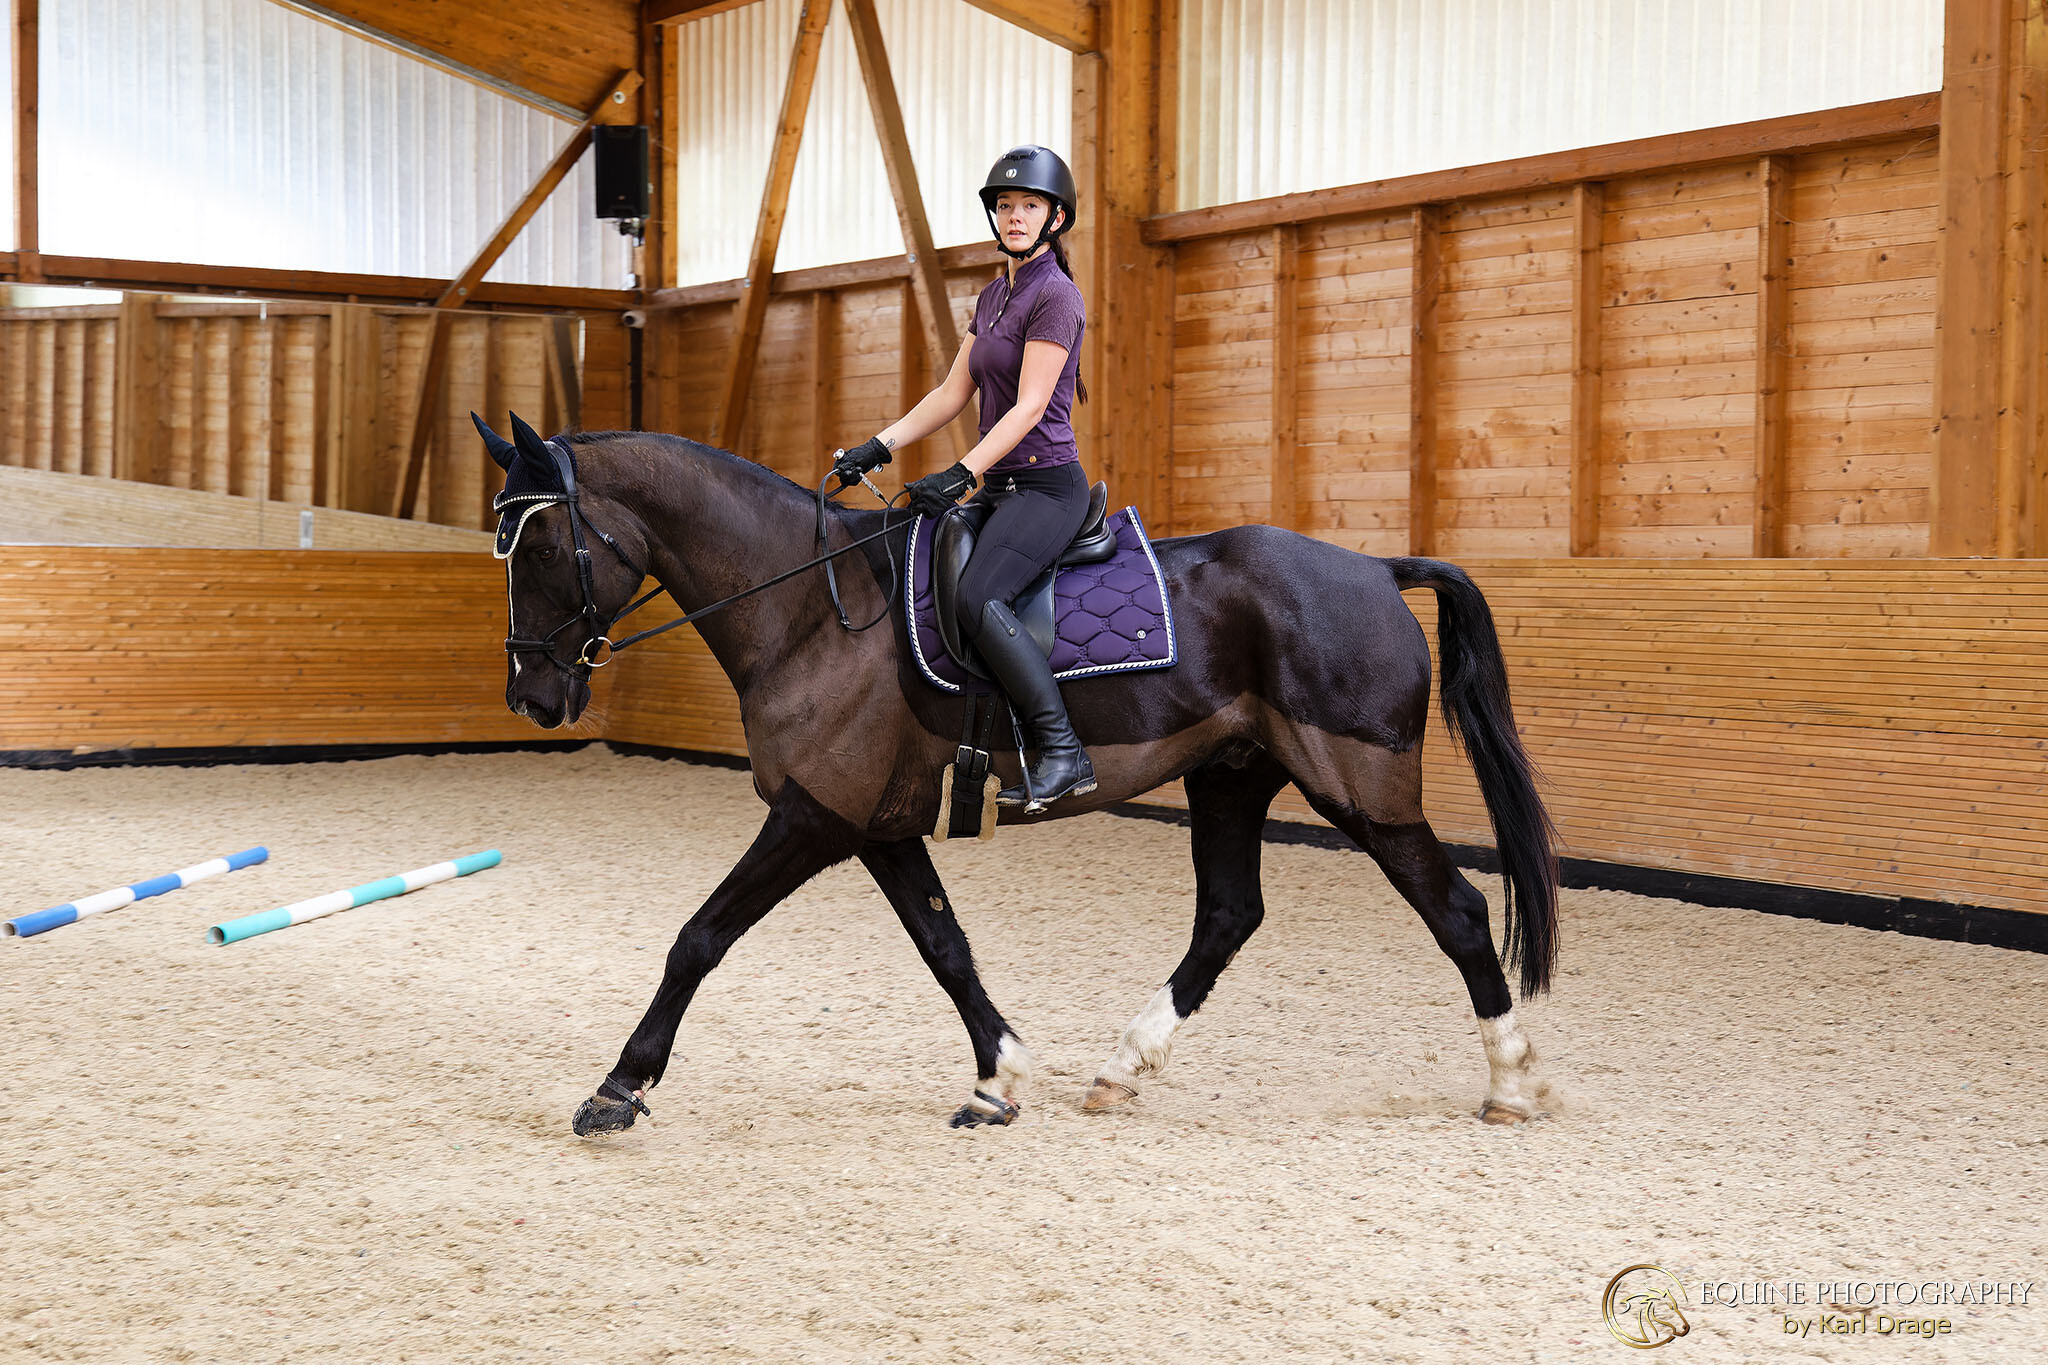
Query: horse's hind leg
pixel 905 873
pixel 1227 811
pixel 1455 911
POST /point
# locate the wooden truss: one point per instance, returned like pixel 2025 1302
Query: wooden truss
pixel 927 281
pixel 607 110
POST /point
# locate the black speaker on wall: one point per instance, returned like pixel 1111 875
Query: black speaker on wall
pixel 621 170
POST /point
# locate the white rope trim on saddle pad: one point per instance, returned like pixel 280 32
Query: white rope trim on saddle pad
pixel 1129 666
pixel 1165 613
pixel 910 607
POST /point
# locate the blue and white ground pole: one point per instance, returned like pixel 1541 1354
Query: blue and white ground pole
pixel 235 930
pixel 42 920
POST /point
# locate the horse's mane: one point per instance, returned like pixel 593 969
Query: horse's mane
pixel 768 481
pixel 681 444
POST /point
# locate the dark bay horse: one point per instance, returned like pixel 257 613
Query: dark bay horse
pixel 1299 662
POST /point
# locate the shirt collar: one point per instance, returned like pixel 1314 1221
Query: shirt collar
pixel 1030 269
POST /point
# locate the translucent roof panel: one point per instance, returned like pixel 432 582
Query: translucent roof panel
pixel 971 87
pixel 1278 96
pixel 239 132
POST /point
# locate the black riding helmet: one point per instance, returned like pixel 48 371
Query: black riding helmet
pixel 1039 171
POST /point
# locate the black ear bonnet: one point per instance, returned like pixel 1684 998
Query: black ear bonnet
pixel 538 473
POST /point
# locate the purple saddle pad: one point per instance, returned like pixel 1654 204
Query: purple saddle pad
pixel 1111 617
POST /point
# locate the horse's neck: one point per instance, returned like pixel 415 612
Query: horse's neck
pixel 717 525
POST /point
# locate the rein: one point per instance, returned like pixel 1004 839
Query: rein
pixel 599 624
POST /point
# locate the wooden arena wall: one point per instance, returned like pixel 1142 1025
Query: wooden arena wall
pixel 128 648
pixel 1613 368
pixel 1603 368
pixel 841 356
pixel 1674 403
pixel 1869 726
pixel 1678 417
pixel 296 402
pixel 44 507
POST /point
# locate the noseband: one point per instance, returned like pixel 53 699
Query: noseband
pixel 524 505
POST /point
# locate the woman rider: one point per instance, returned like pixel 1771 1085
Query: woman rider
pixel 1022 354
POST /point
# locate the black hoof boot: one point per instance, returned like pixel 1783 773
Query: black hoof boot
pixel 972 1115
pixel 610 1110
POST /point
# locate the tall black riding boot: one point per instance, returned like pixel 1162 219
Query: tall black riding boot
pixel 1062 768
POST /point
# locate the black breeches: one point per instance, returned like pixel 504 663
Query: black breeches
pixel 1038 512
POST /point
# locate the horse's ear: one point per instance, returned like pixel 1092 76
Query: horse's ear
pixel 529 443
pixel 501 449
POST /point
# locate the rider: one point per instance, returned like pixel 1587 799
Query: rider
pixel 1022 355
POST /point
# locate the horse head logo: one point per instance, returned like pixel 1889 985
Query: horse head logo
pixel 1643 1307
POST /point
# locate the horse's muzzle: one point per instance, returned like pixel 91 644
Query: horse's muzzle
pixel 550 699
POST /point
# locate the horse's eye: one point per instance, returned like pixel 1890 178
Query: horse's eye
pixel 545 554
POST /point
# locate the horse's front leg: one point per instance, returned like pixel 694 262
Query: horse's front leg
pixel 800 839
pixel 904 871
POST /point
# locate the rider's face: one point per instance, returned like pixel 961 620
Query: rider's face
pixel 1020 217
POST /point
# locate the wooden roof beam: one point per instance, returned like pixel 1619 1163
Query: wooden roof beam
pixel 609 108
pixel 682 11
pixel 27 214
pixel 847 275
pixel 752 308
pixel 558 55
pixel 362 28
pixel 1790 134
pixel 941 337
pixel 1123 135
pixel 1987 292
pixel 1070 23
pixel 254 282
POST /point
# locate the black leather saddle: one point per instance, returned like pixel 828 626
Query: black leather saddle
pixel 953 543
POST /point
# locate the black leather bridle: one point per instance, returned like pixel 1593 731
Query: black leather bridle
pixel 524 505
pixel 598 623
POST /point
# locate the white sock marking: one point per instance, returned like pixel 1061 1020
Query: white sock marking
pixel 1013 1071
pixel 1147 1043
pixel 1507 1063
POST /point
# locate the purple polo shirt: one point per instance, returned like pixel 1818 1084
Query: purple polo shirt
pixel 1043 305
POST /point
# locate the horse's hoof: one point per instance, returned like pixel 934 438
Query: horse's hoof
pixel 971 1117
pixel 1501 1116
pixel 601 1114
pixel 1107 1094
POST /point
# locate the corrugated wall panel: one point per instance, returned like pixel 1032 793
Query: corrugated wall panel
pixel 7 140
pixel 971 86
pixel 1279 96
pixel 237 132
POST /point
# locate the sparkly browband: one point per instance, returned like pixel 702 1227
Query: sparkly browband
pixel 513 511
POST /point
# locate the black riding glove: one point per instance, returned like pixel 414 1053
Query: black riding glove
pixel 934 493
pixel 851 464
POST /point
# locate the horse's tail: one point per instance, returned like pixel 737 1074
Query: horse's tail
pixel 1477 711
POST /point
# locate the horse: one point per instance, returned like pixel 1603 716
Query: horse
pixel 1298 662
